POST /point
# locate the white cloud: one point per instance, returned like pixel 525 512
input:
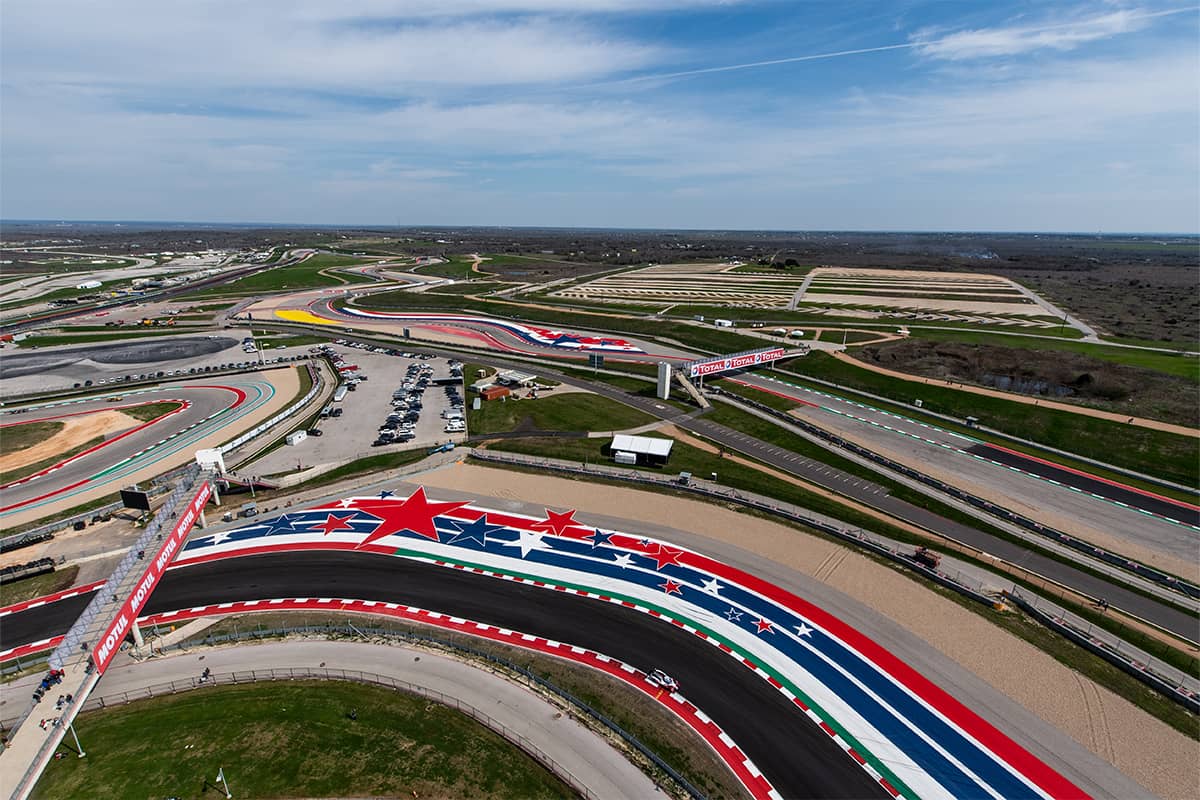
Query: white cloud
pixel 1016 39
pixel 204 47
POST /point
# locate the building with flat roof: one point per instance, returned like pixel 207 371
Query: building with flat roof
pixel 647 450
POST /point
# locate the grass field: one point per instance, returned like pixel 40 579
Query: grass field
pixel 20 472
pixel 20 437
pixel 151 411
pixel 305 275
pixel 567 412
pixel 38 586
pixel 1182 366
pixel 1164 455
pixel 114 334
pixel 293 739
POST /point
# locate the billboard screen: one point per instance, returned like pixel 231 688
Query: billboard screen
pixel 135 498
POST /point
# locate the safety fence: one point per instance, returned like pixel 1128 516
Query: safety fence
pixel 1178 685
pixel 413 637
pixel 985 429
pixel 316 381
pixel 1174 683
pixel 959 582
pixel 1121 562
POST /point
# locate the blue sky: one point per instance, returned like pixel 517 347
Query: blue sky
pixel 959 115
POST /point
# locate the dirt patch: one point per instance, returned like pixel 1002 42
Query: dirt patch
pixel 74 432
pixel 1044 373
pixel 1146 749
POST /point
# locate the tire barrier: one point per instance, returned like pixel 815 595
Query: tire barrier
pixel 27 570
pixel 1121 562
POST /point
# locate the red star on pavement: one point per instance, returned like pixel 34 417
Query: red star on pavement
pixel 333 522
pixel 414 514
pixel 670 587
pixel 557 523
pixel 764 626
pixel 663 555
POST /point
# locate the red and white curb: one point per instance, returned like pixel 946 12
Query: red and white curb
pixel 743 768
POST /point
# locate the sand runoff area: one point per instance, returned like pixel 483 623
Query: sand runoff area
pixel 286 382
pixel 1147 750
pixel 75 432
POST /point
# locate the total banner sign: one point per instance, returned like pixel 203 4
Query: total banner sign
pixel 698 369
pixel 118 629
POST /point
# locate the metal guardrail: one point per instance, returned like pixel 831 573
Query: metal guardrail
pixel 356 676
pixel 1129 565
pixel 1174 683
pixel 959 582
pixel 316 380
pixel 993 431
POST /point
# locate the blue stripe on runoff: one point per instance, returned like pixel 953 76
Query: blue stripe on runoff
pixel 896 723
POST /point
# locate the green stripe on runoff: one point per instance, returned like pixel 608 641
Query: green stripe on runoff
pixel 870 757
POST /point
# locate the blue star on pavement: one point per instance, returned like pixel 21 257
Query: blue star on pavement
pixel 599 537
pixel 386 493
pixel 284 523
pixel 476 531
pixel 564 338
pixel 733 615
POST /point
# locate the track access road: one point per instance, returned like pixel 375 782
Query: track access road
pixel 795 755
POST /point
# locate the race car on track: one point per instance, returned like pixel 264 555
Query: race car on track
pixel 662 680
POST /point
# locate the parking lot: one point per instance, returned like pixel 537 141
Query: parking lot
pixel 389 401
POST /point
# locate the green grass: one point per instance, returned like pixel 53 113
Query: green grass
pixel 20 472
pixel 116 334
pixel 305 275
pixel 23 589
pixel 293 739
pixel 19 437
pixel 566 412
pixel 457 267
pixel 1164 455
pixel 151 411
pixel 1168 363
pixel 783 404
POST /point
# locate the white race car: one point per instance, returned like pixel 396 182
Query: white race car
pixel 662 680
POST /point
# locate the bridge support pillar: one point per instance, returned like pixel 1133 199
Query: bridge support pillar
pixel 138 641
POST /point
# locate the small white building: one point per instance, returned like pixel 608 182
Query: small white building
pixel 295 437
pixel 628 449
pixel 92 284
pixel 512 377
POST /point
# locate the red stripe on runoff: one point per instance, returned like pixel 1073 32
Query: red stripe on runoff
pixel 1118 484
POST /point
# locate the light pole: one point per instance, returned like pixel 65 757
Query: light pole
pixel 78 746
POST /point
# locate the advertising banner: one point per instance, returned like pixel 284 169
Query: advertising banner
pixel 698 369
pixel 118 629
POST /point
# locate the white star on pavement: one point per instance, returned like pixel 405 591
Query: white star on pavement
pixel 712 587
pixel 529 540
pixel 623 560
pixel 804 630
pixel 220 537
pixel 346 502
pixel 733 615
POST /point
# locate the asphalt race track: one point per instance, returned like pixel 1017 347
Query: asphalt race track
pixel 1091 485
pixel 799 758
pixel 170 348
pixel 207 406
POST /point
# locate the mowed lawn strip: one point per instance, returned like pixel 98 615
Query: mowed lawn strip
pixel 1152 452
pixel 22 589
pixel 577 411
pixel 20 437
pixel 293 739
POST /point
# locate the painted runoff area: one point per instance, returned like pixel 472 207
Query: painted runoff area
pixel 908 734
